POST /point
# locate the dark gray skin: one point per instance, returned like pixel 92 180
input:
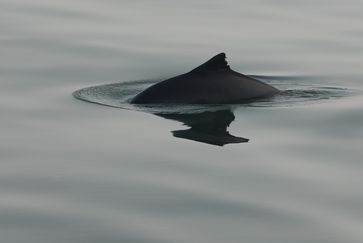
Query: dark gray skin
pixel 213 82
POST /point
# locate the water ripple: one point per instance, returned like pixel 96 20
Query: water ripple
pixel 294 93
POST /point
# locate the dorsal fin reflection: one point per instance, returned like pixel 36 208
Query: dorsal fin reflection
pixel 207 127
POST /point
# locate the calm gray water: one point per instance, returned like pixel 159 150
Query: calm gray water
pixel 72 171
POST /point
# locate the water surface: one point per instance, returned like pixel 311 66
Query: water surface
pixel 73 171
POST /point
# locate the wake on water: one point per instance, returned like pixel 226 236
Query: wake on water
pixel 120 94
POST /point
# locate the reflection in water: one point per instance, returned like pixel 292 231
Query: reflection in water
pixel 206 127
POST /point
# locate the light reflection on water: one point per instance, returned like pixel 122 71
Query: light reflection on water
pixel 72 171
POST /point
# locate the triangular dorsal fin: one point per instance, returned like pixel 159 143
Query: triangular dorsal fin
pixel 216 63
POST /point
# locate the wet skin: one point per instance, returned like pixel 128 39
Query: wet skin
pixel 213 82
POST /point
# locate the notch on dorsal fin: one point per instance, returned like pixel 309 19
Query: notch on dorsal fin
pixel 216 63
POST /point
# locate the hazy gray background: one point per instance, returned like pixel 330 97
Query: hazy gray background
pixel 71 171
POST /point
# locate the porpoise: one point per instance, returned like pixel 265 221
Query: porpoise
pixel 213 82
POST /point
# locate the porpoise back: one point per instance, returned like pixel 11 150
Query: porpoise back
pixel 213 82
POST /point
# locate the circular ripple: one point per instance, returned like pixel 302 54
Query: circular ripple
pixel 120 94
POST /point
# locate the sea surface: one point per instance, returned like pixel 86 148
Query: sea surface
pixel 288 170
